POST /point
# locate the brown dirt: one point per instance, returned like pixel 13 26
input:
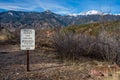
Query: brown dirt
pixel 44 65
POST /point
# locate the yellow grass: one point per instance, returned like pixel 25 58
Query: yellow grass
pixel 3 38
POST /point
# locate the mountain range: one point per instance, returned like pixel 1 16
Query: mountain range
pixel 48 19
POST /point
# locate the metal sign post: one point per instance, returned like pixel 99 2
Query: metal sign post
pixel 28 68
pixel 27 42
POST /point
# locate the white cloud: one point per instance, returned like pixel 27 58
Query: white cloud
pixel 28 5
pixel 16 6
pixel 9 7
pixel 57 8
pixel 51 6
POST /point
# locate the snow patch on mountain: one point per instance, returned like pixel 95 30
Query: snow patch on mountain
pixel 91 12
pixel 10 13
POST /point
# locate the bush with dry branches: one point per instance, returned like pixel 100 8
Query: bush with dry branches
pixel 109 46
pixel 70 45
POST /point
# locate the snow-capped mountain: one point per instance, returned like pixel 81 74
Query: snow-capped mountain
pixel 91 12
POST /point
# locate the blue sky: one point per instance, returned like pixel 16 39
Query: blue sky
pixel 61 6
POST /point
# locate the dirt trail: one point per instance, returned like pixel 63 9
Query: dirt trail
pixel 13 63
pixel 9 48
pixel 43 65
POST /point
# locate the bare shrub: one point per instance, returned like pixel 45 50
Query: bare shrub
pixel 16 38
pixel 108 46
pixel 70 45
pixel 43 38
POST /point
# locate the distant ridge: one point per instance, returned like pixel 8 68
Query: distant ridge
pixel 48 19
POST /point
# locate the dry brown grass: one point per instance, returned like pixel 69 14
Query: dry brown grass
pixel 44 65
pixel 3 37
